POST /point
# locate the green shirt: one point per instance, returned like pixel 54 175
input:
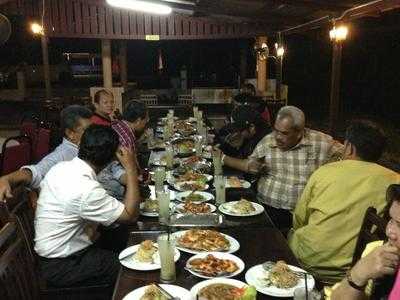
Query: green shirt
pixel 329 214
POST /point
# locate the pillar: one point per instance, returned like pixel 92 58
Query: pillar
pixel 335 87
pixel 123 63
pixel 106 61
pixel 261 69
pixel 46 67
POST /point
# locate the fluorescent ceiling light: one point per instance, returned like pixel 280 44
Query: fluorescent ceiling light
pixel 143 6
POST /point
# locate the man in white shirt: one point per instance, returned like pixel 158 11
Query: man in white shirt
pixel 74 120
pixel 71 201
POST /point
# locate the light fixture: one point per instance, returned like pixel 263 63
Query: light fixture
pixel 143 6
pixel 37 29
pixel 338 34
pixel 280 51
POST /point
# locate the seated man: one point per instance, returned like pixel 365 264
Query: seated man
pixel 71 201
pixel 329 214
pixel 379 268
pixel 241 136
pixel 74 120
pixel 289 155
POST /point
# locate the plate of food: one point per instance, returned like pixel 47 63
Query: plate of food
pixel 185 128
pixel 196 196
pixel 190 176
pixel 278 279
pixel 196 241
pixel 184 186
pixel 235 182
pixel 143 256
pixel 241 208
pixel 152 292
pixel 215 264
pixel 149 208
pixel 223 289
pixel 190 207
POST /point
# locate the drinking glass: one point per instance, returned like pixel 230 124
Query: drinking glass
pixel 150 137
pixel 198 145
pixel 163 206
pixel 216 156
pixel 159 178
pixel 195 111
pixel 300 294
pixel 219 184
pixel 166 249
pixel 169 156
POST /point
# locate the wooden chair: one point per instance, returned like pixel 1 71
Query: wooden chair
pixel 18 278
pixel 372 229
pixel 14 157
pixel 185 100
pixel 149 99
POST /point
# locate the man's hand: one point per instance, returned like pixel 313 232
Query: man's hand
pixel 255 166
pixel 5 189
pixel 382 261
pixel 127 158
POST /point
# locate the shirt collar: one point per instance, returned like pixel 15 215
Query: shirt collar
pixel 68 143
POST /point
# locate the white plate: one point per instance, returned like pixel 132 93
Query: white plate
pixel 172 180
pixel 245 184
pixel 158 158
pixel 196 288
pixel 173 290
pixel 181 196
pixel 234 244
pixel 255 274
pixel 178 186
pixel 225 208
pixel 154 213
pixel 180 207
pixel 219 255
pixel 131 263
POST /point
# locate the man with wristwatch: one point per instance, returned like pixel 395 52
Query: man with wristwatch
pixel 380 265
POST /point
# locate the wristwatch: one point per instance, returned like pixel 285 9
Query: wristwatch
pixel 352 283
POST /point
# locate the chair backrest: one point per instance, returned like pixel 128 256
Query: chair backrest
pixel 372 229
pixel 42 146
pixel 149 99
pixel 29 128
pixel 14 157
pixel 18 277
pixel 185 99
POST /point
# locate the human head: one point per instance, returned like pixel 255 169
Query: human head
pixel 248 88
pixel 289 127
pixel 365 140
pixel 74 120
pixel 393 226
pixel 98 146
pixel 104 103
pixel 247 121
pixel 137 115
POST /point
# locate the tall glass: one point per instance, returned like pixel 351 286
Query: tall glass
pixel 150 137
pixel 166 248
pixel 159 178
pixel 169 156
pixel 198 145
pixel 195 111
pixel 219 184
pixel 216 156
pixel 163 206
pixel 170 125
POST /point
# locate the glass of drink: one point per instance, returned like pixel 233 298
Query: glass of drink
pixel 169 156
pixel 163 206
pixel 195 111
pixel 300 294
pixel 159 178
pixel 219 184
pixel 216 156
pixel 199 145
pixel 150 137
pixel 166 249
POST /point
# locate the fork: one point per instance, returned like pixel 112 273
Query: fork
pixel 268 265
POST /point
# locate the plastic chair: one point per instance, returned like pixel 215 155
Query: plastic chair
pixel 14 157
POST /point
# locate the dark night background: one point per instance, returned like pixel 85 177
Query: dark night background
pixel 370 64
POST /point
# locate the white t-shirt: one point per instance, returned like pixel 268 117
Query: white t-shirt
pixel 71 199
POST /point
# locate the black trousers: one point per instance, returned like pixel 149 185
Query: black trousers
pixel 282 218
pixel 91 266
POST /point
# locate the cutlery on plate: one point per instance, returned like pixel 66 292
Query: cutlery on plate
pixel 165 293
pixel 268 265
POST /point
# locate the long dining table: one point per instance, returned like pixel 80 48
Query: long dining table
pixel 259 240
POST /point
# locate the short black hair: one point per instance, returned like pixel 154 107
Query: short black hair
pixel 244 116
pixel 98 145
pixel 392 195
pixel 71 115
pixel 368 138
pixel 134 110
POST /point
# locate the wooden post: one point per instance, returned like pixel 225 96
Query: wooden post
pixel 106 60
pixel 123 64
pixel 279 62
pixel 46 67
pixel 335 88
pixel 261 69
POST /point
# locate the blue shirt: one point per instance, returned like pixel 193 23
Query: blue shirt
pixel 64 152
